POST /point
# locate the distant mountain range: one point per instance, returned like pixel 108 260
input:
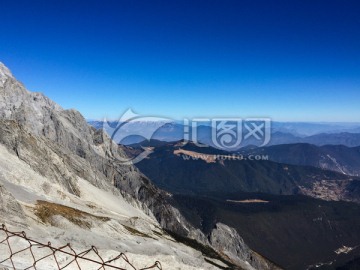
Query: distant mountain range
pixel 303 129
pixel 282 133
pixel 337 158
pixel 253 197
pixel 187 168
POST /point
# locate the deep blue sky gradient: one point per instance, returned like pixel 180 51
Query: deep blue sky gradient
pixel 289 60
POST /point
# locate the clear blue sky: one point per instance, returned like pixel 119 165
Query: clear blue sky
pixel 289 60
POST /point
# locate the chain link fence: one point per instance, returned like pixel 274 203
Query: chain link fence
pixel 19 252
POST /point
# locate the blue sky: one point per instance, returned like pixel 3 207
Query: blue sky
pixel 288 60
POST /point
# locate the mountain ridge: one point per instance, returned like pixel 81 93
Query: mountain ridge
pixel 205 169
pixel 51 154
pixel 338 158
pixel 174 131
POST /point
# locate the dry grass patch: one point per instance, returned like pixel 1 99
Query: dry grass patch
pixel 46 210
pixel 136 232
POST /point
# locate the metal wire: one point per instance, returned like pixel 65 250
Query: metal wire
pixel 73 258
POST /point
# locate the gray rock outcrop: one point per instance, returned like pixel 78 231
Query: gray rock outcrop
pixel 228 242
pixel 10 209
pixel 61 146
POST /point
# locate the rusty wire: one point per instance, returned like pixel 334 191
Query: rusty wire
pixel 96 260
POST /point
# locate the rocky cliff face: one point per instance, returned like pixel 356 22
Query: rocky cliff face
pixel 60 145
pixel 62 148
pixel 9 207
pixel 227 241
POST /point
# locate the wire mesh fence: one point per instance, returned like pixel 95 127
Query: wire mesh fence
pixel 19 252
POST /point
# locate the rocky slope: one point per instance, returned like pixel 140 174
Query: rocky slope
pixel 61 146
pixel 52 155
